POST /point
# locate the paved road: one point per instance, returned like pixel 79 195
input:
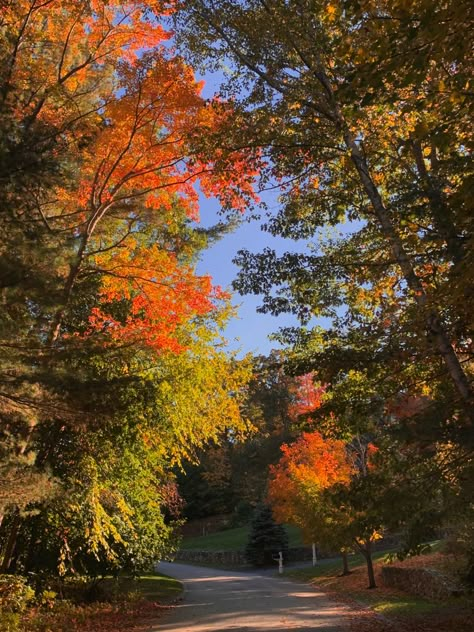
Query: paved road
pixel 217 601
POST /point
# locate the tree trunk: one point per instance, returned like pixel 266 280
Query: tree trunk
pixel 333 114
pixel 367 552
pixel 345 563
pixel 432 319
pixel 11 542
pixel 433 322
pixel 73 273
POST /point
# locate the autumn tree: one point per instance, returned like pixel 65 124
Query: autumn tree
pixel 334 493
pixel 107 330
pixel 232 476
pixel 317 102
pixel 111 126
pixel 359 112
pixel 122 506
pixel 298 490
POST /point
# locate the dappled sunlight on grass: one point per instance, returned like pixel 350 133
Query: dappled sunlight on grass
pixel 404 606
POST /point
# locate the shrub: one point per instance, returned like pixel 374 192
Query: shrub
pixel 14 594
pixel 9 621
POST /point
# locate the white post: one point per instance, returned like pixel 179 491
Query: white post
pixel 280 563
pixel 315 559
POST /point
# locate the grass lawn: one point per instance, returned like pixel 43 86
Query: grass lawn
pixel 388 607
pixel 152 587
pixel 326 569
pixel 232 540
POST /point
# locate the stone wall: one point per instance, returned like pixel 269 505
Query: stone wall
pixel 424 582
pixel 237 558
pixel 210 558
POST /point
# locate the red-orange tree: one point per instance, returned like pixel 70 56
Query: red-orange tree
pixel 100 116
pixel 324 486
pixel 299 485
pixel 118 109
pixel 106 324
pixel 307 396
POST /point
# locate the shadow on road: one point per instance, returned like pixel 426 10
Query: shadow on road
pixel 216 600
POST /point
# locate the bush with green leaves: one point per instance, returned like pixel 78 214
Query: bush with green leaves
pixel 9 621
pixel 15 594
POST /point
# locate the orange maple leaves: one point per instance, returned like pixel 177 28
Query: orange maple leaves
pixel 162 295
pixel 309 465
pixel 314 460
pixel 125 112
pixel 141 152
pixel 75 44
pixel 307 396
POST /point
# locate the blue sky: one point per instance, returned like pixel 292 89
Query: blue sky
pixel 249 331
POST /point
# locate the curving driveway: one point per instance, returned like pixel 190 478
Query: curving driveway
pixel 216 600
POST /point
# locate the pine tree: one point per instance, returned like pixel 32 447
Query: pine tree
pixel 266 538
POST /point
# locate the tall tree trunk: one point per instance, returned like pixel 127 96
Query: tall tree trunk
pixel 329 108
pixel 432 319
pixel 433 322
pixel 366 551
pixel 11 543
pixel 345 563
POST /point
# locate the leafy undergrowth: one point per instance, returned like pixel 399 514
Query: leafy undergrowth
pixel 387 609
pixel 137 603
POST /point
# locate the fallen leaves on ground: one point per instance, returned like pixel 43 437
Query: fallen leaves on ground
pixel 103 617
pixel 455 615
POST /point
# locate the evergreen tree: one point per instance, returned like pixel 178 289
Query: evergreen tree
pixel 266 538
